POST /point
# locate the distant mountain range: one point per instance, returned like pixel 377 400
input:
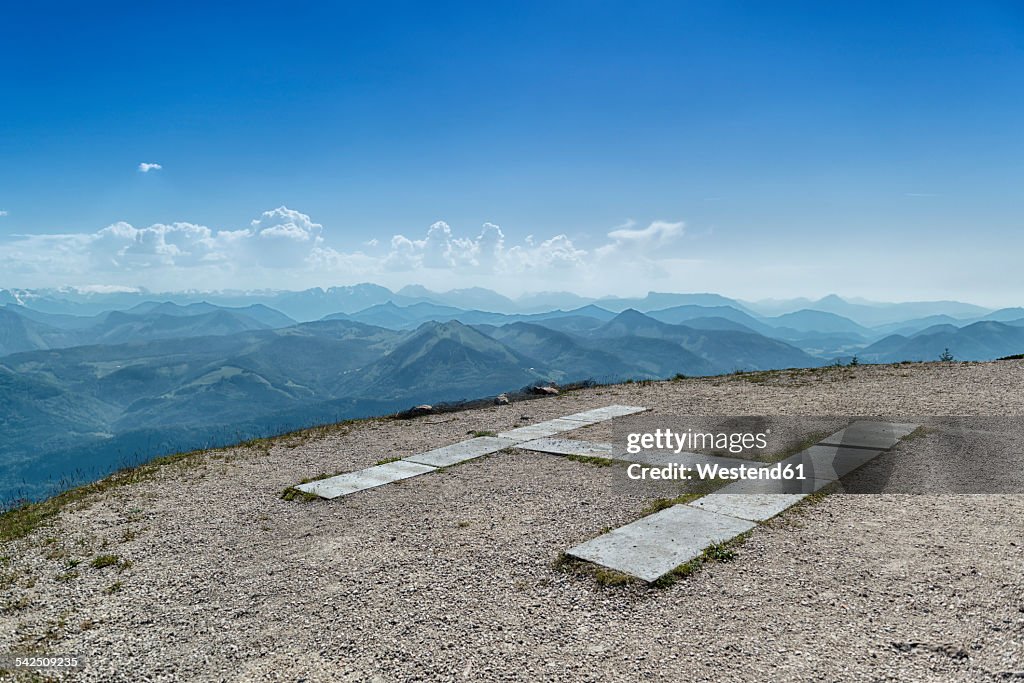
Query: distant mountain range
pixel 23 329
pixel 983 340
pixel 315 303
pixel 85 390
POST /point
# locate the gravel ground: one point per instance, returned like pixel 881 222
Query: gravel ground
pixel 452 576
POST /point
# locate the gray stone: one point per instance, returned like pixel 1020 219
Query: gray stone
pixel 462 451
pixel 568 447
pixel 653 546
pixel 868 434
pixel 351 482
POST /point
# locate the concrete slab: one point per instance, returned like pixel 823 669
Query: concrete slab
pixel 561 424
pixel 528 433
pixel 757 499
pixel 653 546
pixel 583 420
pixel 462 451
pixel 870 434
pixel 541 430
pixel 831 462
pixel 756 507
pixel 605 413
pixel 763 499
pixel 351 482
pixel 569 447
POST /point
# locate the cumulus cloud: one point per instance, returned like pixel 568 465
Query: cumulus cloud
pixel 283 246
pixel 122 246
pixel 282 238
pixel 485 253
pixel 145 167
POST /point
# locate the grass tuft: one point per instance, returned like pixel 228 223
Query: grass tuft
pixel 101 561
pixel 292 493
pixel 591 460
pixel 717 552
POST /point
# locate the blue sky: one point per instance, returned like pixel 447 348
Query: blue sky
pixel 756 149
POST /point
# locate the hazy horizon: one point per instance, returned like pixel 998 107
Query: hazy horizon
pixel 514 296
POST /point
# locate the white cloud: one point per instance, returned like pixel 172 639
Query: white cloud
pixel 655 236
pixel 145 167
pixel 122 246
pixel 286 248
pixel 484 254
pixel 281 238
pixel 2 214
pixel 107 289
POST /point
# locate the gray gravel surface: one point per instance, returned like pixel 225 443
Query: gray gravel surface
pixel 452 576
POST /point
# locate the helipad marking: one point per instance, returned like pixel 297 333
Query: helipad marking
pixel 422 463
pixel 371 477
pixel 654 545
pixel 461 451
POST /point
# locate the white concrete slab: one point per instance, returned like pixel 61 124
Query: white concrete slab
pixel 758 499
pixel 831 462
pixel 756 507
pixel 582 420
pixel 569 447
pixel 869 434
pixel 461 452
pixel 653 546
pixel 561 424
pixel 541 430
pixel 528 433
pixel 351 482
pixel 595 415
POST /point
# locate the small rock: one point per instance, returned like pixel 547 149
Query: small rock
pixel 545 391
pixel 501 400
pixel 424 409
